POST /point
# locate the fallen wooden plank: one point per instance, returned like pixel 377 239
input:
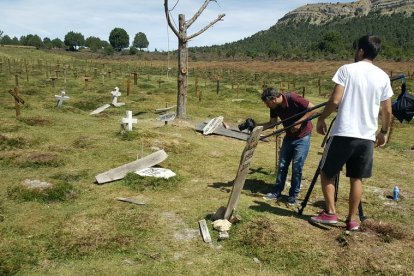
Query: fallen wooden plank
pixel 120 172
pixel 100 109
pixel 204 230
pixel 211 126
pixel 130 200
pixel 160 110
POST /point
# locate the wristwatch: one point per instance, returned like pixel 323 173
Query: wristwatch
pixel 383 131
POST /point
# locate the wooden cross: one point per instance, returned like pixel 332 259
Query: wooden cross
pixel 128 121
pixel 53 80
pixel 17 100
pixel 61 98
pixel 244 165
pixel 159 83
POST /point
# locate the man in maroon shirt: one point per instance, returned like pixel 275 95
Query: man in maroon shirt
pixel 296 142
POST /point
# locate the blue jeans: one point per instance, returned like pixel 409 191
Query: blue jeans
pixel 295 151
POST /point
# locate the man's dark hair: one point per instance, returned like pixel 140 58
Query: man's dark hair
pixel 269 93
pixel 371 45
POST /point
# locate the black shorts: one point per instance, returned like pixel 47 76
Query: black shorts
pixel 356 153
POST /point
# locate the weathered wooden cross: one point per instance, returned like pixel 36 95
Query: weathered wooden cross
pixel 17 100
pixel 128 121
pixel 244 165
pixel 61 98
pixel 53 80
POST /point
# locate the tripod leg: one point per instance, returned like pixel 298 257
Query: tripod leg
pixel 361 212
pixel 336 181
pixel 305 201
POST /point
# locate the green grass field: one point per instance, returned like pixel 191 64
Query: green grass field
pixel 76 227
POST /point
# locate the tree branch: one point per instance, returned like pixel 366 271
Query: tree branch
pixel 167 14
pixel 206 27
pixel 197 14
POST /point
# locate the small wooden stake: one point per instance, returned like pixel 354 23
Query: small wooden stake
pixel 128 86
pixel 204 231
pixel 135 74
pixel 86 78
pixel 16 78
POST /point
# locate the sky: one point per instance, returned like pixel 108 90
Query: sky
pixel 55 18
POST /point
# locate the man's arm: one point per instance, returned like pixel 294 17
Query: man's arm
pixel 330 107
pixel 304 117
pixel 386 113
pixel 270 124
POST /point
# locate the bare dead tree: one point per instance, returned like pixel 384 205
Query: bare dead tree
pixel 183 39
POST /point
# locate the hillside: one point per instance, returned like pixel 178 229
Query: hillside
pixel 327 31
pixel 318 14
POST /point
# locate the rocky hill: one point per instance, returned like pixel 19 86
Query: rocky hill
pixel 319 14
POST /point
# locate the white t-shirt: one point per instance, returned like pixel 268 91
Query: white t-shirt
pixel 366 86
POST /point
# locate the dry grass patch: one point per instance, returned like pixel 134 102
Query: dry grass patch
pixel 262 232
pixel 39 159
pixel 83 142
pixel 43 193
pixel 7 143
pixel 379 249
pixel 387 232
pixel 120 228
pixel 35 121
pixel 82 235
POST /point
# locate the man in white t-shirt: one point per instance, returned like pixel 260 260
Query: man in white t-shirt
pixel 361 89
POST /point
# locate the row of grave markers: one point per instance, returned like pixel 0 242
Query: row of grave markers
pixel 126 122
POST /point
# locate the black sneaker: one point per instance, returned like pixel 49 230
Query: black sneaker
pixel 291 200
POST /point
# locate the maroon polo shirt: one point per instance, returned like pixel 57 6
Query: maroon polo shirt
pixel 292 105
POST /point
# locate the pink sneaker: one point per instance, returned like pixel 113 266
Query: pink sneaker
pixel 325 218
pixel 352 225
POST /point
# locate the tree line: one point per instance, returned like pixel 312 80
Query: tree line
pixel 118 40
pixel 333 40
pixel 293 41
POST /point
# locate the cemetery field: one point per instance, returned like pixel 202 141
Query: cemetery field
pixel 56 220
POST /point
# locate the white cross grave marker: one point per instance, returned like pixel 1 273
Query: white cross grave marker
pixel 115 95
pixel 128 121
pixel 61 98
